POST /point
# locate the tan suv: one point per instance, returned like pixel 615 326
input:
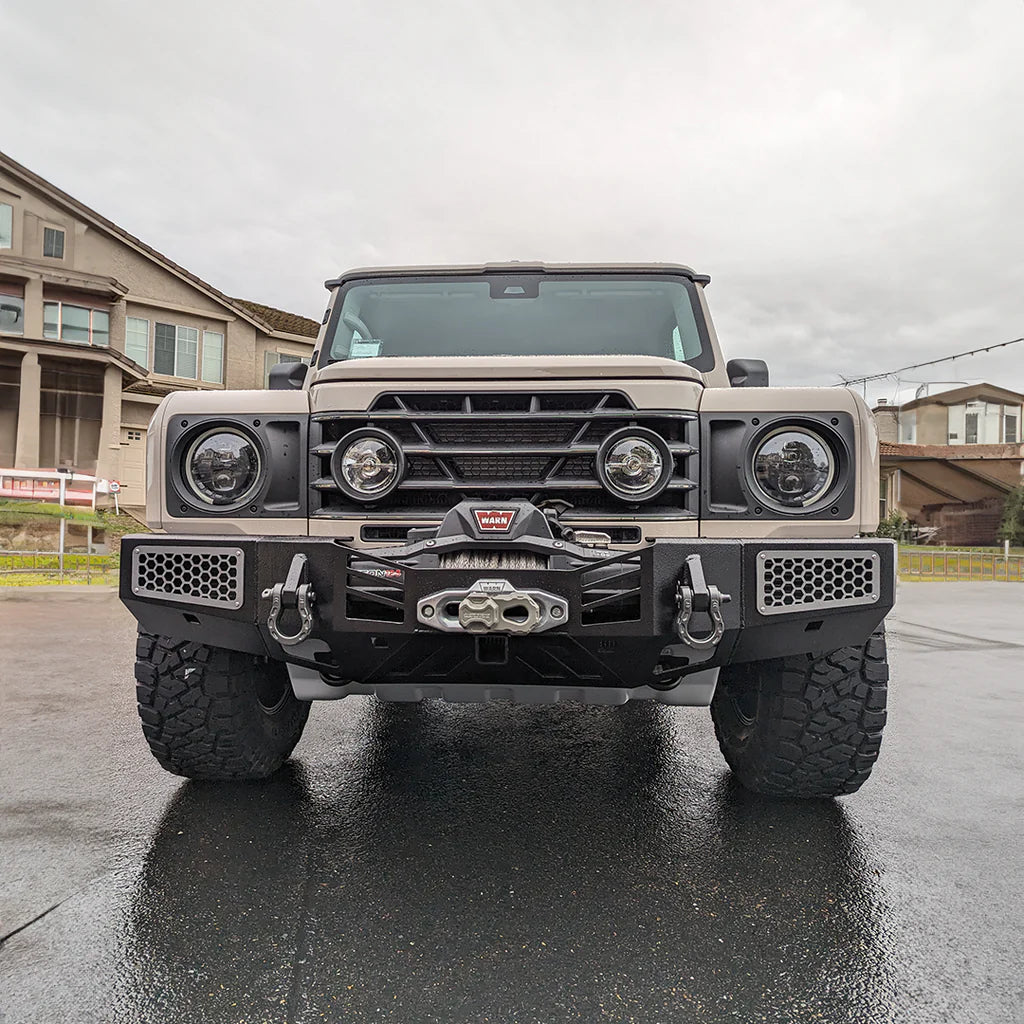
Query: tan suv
pixel 517 482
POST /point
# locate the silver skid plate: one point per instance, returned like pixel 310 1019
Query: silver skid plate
pixel 492 606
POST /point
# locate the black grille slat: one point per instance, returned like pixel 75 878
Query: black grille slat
pixel 501 467
pixel 532 445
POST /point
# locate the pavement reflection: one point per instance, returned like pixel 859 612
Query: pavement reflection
pixel 496 864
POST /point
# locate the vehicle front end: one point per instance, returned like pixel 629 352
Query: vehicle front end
pixel 520 482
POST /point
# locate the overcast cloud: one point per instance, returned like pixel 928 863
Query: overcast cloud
pixel 851 174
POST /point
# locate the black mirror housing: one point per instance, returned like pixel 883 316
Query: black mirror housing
pixel 747 373
pixel 288 376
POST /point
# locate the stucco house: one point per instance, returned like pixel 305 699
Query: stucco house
pixel 96 327
pixel 949 460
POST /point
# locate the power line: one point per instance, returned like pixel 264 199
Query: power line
pixel 848 381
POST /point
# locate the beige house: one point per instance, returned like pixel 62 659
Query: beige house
pixel 975 414
pixel 949 460
pixel 96 327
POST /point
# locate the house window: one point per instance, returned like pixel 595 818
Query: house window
pixel 53 243
pixel 883 497
pixel 1010 432
pixel 213 357
pixel 971 428
pixel 12 309
pixel 77 324
pixel 6 225
pixel 136 340
pixel 271 359
pixel 175 350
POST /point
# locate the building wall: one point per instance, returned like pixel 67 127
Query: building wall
pixel 887 422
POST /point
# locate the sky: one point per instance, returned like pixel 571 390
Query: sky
pixel 851 174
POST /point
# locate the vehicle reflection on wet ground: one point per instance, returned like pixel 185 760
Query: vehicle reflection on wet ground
pixel 500 863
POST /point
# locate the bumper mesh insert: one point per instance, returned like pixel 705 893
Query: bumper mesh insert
pixel 789 581
pixel 212 576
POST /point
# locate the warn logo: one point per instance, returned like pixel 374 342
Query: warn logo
pixel 494 520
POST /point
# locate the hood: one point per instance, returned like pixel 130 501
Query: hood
pixel 505 368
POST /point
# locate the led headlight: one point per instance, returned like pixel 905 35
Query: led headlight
pixel 223 466
pixel 634 464
pixel 368 464
pixel 793 467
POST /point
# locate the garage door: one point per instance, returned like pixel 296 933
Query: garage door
pixel 133 466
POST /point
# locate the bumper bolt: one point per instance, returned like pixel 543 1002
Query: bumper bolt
pixel 428 611
pixel 557 612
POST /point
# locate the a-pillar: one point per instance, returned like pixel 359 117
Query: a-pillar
pixel 26 446
pixel 108 460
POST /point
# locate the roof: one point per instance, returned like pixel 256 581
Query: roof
pixel 966 394
pixel 524 267
pixel 87 213
pixel 952 451
pixel 279 320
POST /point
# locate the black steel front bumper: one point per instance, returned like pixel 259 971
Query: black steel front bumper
pixel 622 609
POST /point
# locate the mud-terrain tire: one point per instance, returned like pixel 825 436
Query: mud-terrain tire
pixel 807 725
pixel 209 713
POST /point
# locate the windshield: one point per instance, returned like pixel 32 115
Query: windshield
pixel 521 315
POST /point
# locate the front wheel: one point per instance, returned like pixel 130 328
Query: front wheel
pixel 805 725
pixel 209 713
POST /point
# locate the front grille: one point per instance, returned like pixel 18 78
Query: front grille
pixel 207 576
pixel 808 581
pixel 538 446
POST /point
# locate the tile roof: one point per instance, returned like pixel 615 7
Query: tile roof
pixel 279 320
pixel 953 451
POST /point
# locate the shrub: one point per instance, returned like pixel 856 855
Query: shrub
pixel 1012 528
pixel 895 526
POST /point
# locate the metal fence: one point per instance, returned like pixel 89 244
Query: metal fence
pixel 962 565
pixel 71 566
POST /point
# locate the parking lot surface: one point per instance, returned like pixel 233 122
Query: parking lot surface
pixel 510 864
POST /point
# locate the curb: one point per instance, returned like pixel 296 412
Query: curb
pixel 51 591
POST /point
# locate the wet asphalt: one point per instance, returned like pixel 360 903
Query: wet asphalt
pixel 510 864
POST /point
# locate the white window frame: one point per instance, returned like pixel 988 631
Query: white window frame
pixel 60 304
pixel 178 328
pixel 11 208
pixel 219 379
pixel 149 338
pixel 63 245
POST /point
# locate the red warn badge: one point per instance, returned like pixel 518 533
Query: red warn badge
pixel 497 520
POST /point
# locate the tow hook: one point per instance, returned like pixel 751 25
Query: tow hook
pixel 295 594
pixel 694 596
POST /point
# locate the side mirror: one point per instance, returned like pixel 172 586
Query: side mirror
pixel 747 373
pixel 288 376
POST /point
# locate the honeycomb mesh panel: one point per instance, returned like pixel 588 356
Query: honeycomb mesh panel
pixel 212 576
pixel 789 581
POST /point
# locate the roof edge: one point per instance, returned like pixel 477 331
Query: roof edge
pixel 516 267
pixel 104 224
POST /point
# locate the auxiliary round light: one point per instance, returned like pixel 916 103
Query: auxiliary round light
pixel 634 464
pixel 793 467
pixel 368 464
pixel 223 467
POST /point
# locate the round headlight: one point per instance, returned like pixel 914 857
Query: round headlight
pixel 793 467
pixel 634 464
pixel 223 466
pixel 368 464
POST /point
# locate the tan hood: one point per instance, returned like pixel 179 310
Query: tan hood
pixel 506 368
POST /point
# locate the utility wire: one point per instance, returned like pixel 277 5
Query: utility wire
pixel 848 381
